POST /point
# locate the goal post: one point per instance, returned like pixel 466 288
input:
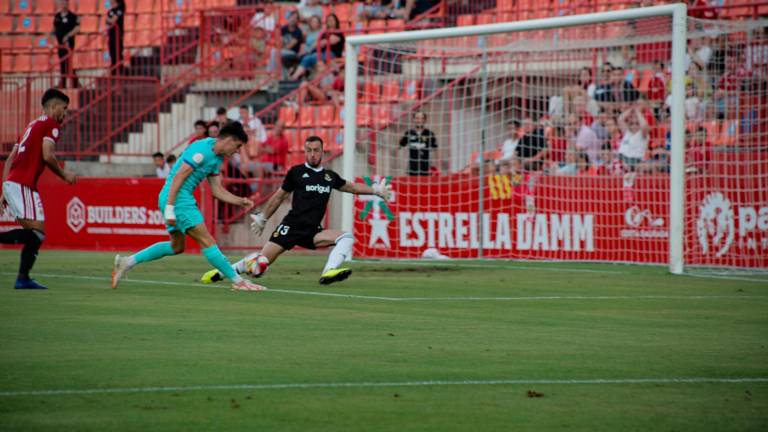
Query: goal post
pixel 470 83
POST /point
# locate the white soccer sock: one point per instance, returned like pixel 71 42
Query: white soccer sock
pixel 130 261
pixel 340 253
pixel 240 265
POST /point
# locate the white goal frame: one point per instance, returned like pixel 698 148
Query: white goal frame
pixel 677 11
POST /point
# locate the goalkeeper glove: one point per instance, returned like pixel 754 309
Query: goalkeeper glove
pixel 258 222
pixel 382 189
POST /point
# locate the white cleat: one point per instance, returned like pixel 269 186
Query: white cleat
pixel 246 285
pixel 120 270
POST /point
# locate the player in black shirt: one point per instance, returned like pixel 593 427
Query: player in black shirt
pixel 419 141
pixel 311 185
pixel 65 26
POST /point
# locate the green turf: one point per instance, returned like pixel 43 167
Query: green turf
pixel 390 323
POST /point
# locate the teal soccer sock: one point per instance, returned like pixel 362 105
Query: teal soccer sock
pixel 154 252
pixel 217 259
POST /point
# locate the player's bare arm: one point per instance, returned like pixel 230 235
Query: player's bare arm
pixel 178 180
pixel 49 157
pixel 221 194
pixel 381 189
pixel 7 168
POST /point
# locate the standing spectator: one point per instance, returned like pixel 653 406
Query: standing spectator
pixel 587 141
pixel 624 90
pixel 274 149
pixel 331 46
pixel 65 26
pixel 604 87
pixel 252 125
pixel 600 126
pixel 201 131
pixel 161 168
pixel 419 141
pixel 116 31
pixel 293 39
pixel 532 149
pixel 213 130
pixel 634 142
pixel 510 144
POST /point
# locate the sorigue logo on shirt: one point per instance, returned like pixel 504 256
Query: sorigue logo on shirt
pixel 318 188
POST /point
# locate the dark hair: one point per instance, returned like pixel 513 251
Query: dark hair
pixel 338 23
pixel 243 106
pixel 221 110
pixel 235 130
pixel 170 159
pixel 314 138
pixel 158 154
pixel 52 94
pixel 515 123
pixel 415 113
pixel 201 123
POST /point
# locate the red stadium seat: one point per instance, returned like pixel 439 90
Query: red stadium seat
pixel 465 20
pixel 303 134
pixel 45 7
pixel 6 24
pixel 27 24
pixel 730 133
pixel 713 131
pixel 342 11
pixel 377 25
pixel 396 24
pixel 505 5
pixel 364 115
pixel 371 91
pixel 86 6
pixel 326 115
pixel 292 136
pixel 382 115
pixel 324 135
pixel 288 115
pixel 486 19
pixel 89 24
pixel 307 115
pixel 391 91
pixel 22 6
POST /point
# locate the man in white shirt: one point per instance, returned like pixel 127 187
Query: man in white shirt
pixel 510 144
pixel 161 168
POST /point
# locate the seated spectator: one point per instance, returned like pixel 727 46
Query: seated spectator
pixel 586 141
pixel 574 163
pixel 213 130
pixel 293 39
pixel 414 8
pixel 585 88
pixel 161 168
pixel 532 149
pixel 274 150
pixel 331 46
pixel 634 142
pixel 510 144
pixel 381 9
pixel 599 126
pixel 330 88
pixel 309 9
pixel 221 117
pixel 170 160
pixel 694 107
pixel 604 87
pixel 201 131
pixel 624 91
pixel 311 35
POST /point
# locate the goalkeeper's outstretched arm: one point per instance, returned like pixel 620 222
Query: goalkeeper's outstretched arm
pixel 381 189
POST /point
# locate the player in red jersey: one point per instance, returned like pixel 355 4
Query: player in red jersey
pixel 22 169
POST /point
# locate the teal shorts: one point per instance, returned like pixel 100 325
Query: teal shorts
pixel 187 216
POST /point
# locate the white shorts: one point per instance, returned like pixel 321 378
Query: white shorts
pixel 23 202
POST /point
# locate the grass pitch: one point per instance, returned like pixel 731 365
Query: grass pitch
pixel 399 346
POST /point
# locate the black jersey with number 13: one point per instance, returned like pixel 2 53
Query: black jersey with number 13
pixel 311 191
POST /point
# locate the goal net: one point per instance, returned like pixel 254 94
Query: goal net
pixel 563 142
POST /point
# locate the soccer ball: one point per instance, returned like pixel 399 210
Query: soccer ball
pixel 256 265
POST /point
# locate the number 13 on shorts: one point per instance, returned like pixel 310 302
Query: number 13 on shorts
pixel 282 229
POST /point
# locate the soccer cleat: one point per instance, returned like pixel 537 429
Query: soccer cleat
pixel 246 285
pixel 121 268
pixel 212 276
pixel 28 284
pixel 334 275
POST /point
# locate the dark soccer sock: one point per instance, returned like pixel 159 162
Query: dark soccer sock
pixel 16 236
pixel 32 242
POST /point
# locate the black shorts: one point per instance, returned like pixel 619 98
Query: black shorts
pixel 289 236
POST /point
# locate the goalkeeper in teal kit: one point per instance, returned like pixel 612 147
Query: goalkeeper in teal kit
pixel 200 161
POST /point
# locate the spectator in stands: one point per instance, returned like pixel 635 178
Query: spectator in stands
pixel 698 53
pixel 309 9
pixel 698 151
pixel 379 9
pixel 586 140
pixel 330 88
pixel 604 86
pixel 634 142
pixel 274 150
pixel 585 88
pixel 314 29
pixel 213 130
pixel 694 106
pixel 657 87
pixel 170 160
pixel 221 117
pixel 293 39
pixel 331 46
pixel 201 131
pixel 420 141
pixel 599 126
pixel 701 9
pixel 252 125
pixel 728 90
pixel 574 163
pixel 624 90
pixel 161 167
pixel 65 26
pixel 510 144
pixel 116 31
pixel 532 149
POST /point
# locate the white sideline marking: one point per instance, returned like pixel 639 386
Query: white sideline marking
pixel 364 384
pixel 424 299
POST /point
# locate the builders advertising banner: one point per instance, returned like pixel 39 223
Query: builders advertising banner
pixel 571 218
pixel 102 213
